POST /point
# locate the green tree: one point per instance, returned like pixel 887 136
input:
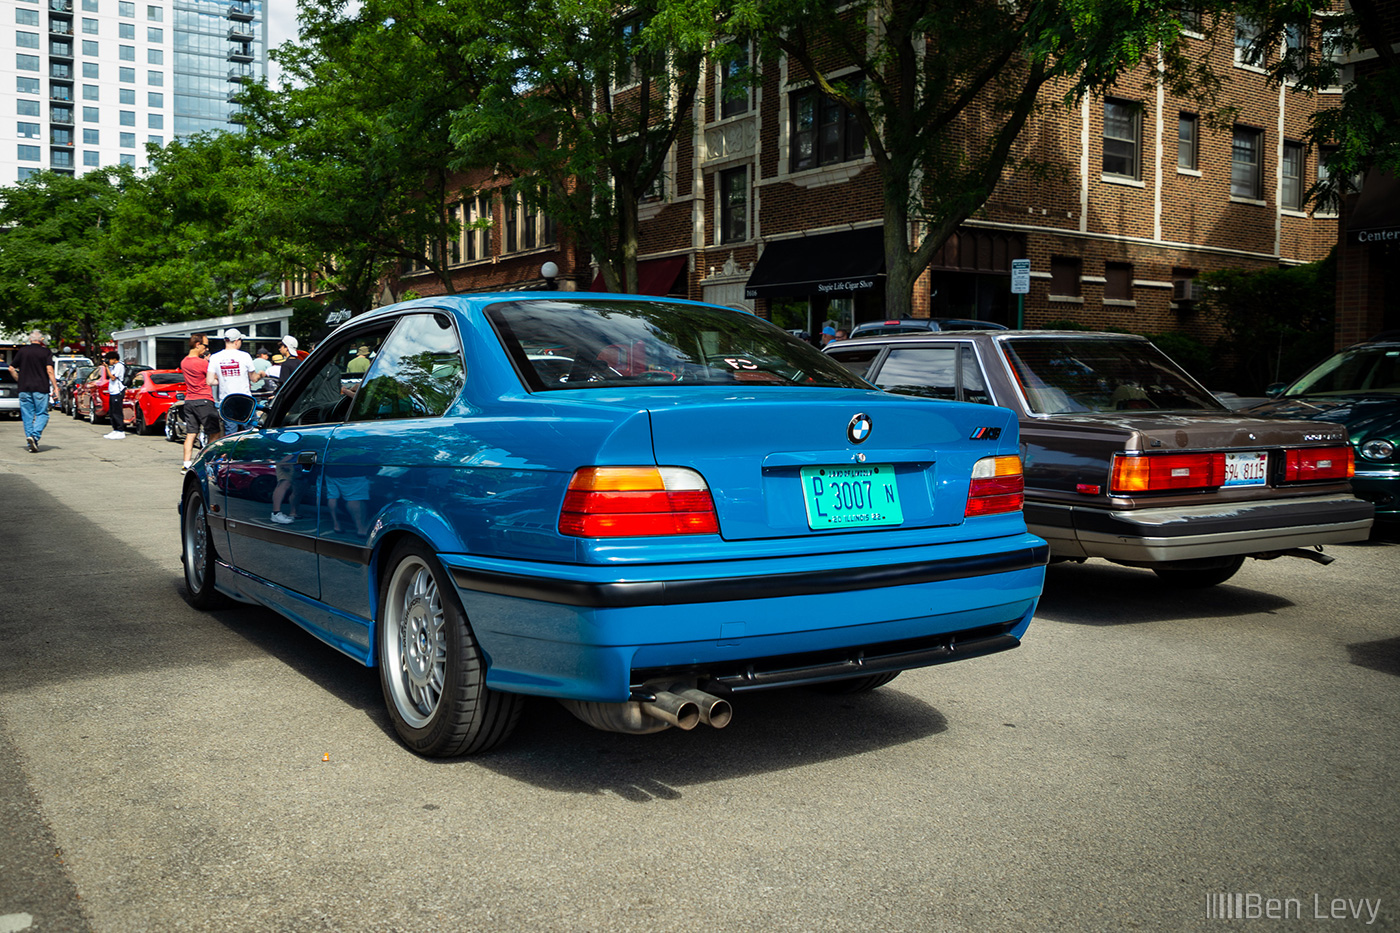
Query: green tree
pixel 354 156
pixel 579 105
pixel 945 87
pixel 1277 322
pixel 54 268
pixel 184 238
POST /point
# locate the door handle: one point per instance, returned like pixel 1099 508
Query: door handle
pixel 306 457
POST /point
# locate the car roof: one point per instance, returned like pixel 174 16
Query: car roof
pixel 913 336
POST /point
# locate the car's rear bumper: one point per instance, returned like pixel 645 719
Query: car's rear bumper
pixel 1190 532
pixel 595 633
pixel 1381 488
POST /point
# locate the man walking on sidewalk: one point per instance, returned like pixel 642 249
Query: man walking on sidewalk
pixel 32 368
pixel 116 393
pixel 232 371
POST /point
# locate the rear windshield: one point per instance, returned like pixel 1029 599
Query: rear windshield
pixel 167 378
pixel 1361 371
pixel 1069 374
pixel 563 343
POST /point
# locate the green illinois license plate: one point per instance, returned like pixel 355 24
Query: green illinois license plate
pixel 862 496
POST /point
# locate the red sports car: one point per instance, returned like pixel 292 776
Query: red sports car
pixel 151 394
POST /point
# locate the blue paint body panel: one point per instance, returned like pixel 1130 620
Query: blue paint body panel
pixel 482 485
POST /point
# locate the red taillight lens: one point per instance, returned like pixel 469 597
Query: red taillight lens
pixel 608 502
pixel 1160 472
pixel 1318 463
pixel 997 486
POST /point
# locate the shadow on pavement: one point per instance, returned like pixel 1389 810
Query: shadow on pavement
pixel 1099 593
pixel 1383 655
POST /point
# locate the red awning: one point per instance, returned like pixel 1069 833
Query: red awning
pixel 654 276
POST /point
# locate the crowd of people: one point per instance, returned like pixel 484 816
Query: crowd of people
pixel 208 379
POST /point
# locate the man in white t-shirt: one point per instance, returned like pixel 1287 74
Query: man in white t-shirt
pixel 231 372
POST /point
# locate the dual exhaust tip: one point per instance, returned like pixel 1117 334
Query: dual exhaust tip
pixel 686 707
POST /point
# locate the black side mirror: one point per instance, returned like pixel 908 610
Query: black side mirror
pixel 1275 390
pixel 239 409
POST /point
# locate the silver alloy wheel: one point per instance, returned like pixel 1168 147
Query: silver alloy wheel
pixel 414 642
pixel 196 544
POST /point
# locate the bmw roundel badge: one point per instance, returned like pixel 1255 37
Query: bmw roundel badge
pixel 859 428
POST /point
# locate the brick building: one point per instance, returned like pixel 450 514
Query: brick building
pixel 773 204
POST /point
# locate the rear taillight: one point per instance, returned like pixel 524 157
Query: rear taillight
pixel 1134 473
pixel 607 502
pixel 1318 463
pixel 997 486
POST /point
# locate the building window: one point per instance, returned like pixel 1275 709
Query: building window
pixel 1247 50
pixel 1064 277
pixel 91 159
pixel 155 34
pixel 509 206
pixel 126 96
pixel 127 141
pixel 26 40
pixel 156 140
pixel 1291 197
pixel 823 132
pixel 1190 17
pixel 633 61
pixel 61 47
pixel 1118 281
pixel 90 48
pixel 454 243
pixel 27 17
pixel 1122 138
pixel 27 108
pixel 1246 170
pixel 155 121
pixel 57 70
pixel 155 99
pixel 28 85
pixel 1331 203
pixel 125 8
pixel 1187 144
pixel 29 153
pixel 734 205
pixel 155 14
pixel 126 30
pixel 61 114
pixel 155 57
pixel 155 78
pixel 90 92
pixel 126 53
pixel 28 131
pixel 127 158
pixel 91 138
pixel 26 62
pixel 61 158
pixel 479 237
pixel 61 137
pixel 127 118
pixel 89 25
pixel 90 115
pixel 60 92
pixel 126 75
pixel 733 73
pixel 25 172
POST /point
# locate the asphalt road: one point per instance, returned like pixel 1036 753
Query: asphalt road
pixel 164 769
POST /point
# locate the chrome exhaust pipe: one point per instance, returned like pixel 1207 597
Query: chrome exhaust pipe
pixel 713 710
pixel 676 710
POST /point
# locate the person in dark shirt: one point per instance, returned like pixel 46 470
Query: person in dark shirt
pixel 292 361
pixel 32 367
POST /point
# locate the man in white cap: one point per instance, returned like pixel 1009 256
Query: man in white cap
pixel 291 361
pixel 231 372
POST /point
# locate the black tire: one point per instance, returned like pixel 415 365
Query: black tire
pixel 170 434
pixel 430 667
pixel 1199 574
pixel 92 414
pixel 138 422
pixel 851 685
pixel 197 553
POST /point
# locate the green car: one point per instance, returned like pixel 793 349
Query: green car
pixel 1358 387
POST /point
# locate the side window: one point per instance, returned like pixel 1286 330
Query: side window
pixel 931 372
pixel 326 396
pixel 417 373
pixel 974 387
pixel 857 361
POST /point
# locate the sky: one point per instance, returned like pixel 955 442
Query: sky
pixel 281 27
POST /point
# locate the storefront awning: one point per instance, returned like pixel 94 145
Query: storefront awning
pixel 827 264
pixel 654 276
pixel 1376 216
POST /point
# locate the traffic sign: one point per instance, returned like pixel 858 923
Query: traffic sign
pixel 1020 276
